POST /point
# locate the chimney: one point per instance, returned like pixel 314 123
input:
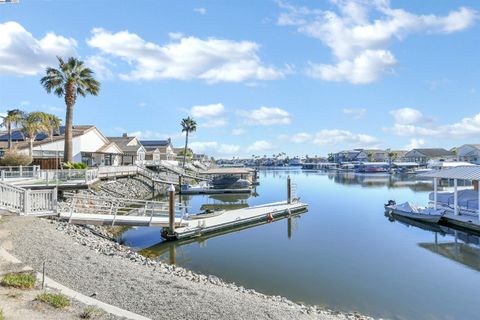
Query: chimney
pixel 125 135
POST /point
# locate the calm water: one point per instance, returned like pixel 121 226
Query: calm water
pixel 344 253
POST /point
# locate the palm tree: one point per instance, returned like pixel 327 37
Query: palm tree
pixel 12 119
pixel 71 79
pixel 53 124
pixel 188 125
pixel 33 124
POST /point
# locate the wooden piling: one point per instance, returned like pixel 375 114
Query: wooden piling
pixel 179 183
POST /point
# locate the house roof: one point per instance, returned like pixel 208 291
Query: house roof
pixel 156 143
pixel 106 146
pixel 123 142
pixel 42 138
pixel 434 152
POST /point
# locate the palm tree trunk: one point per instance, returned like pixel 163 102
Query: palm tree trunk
pixel 185 151
pixel 69 101
pixel 9 128
pixel 30 150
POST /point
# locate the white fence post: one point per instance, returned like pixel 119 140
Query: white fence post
pixel 21 171
pixel 26 201
pixel 55 200
pixel 3 175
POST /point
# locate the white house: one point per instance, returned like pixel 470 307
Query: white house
pixel 133 150
pixel 469 153
pixel 165 148
pixel 89 145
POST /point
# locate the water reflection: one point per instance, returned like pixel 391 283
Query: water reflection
pixel 167 250
pixel 463 249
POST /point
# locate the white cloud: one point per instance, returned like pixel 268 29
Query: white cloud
pixel 406 116
pixel 214 148
pixel 265 116
pixel 23 54
pixel 335 137
pixel 210 110
pixel 260 145
pixel 212 60
pixel 24 103
pixel 415 143
pixel 215 123
pixel 101 66
pixel 364 68
pixel 142 104
pixel 175 35
pixel 466 127
pixel 202 11
pixel 359 42
pixel 356 113
pixel 238 131
pixel 301 137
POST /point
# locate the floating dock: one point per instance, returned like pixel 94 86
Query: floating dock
pixel 214 191
pixel 466 222
pixel 235 219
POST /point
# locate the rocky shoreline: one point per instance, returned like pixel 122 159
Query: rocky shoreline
pixel 81 259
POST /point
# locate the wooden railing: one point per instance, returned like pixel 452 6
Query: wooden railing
pixel 27 202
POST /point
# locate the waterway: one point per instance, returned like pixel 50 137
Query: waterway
pixel 344 253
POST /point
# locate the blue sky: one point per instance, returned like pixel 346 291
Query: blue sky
pixel 260 77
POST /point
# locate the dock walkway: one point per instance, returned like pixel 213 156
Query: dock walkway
pixel 238 217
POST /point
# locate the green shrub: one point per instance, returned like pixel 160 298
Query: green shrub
pixel 2 317
pixel 74 165
pixel 55 300
pixel 90 313
pixel 15 158
pixel 19 280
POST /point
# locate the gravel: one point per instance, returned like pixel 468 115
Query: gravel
pixel 80 259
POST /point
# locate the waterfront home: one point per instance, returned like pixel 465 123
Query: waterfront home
pixel 469 153
pixel 89 145
pixel 152 154
pixel 360 155
pixel 133 150
pixel 165 148
pixel 424 155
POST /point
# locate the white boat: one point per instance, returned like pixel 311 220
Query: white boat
pixel 411 211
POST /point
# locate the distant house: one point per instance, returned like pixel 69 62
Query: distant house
pixel 422 156
pixel 90 146
pixel 133 150
pixel 399 155
pixel 469 153
pixel 360 155
pixel 165 148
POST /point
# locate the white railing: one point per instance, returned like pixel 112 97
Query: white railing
pixel 18 172
pixel 89 204
pixel 11 197
pixel 68 176
pixel 26 202
pixel 113 171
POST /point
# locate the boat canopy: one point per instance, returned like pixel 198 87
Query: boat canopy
pixel 460 173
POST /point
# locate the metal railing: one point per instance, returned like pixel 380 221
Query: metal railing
pixel 26 202
pixel 90 204
pixel 68 176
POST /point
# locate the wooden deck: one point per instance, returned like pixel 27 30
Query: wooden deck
pixel 214 191
pixel 236 218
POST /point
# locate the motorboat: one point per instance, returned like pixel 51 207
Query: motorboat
pixel 229 182
pixel 408 210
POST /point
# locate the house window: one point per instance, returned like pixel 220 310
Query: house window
pixel 87 158
pixel 108 159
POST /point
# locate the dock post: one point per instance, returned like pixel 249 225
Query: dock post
pixel 289 190
pixel 455 196
pixel 289 230
pixel 179 183
pixel 171 209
